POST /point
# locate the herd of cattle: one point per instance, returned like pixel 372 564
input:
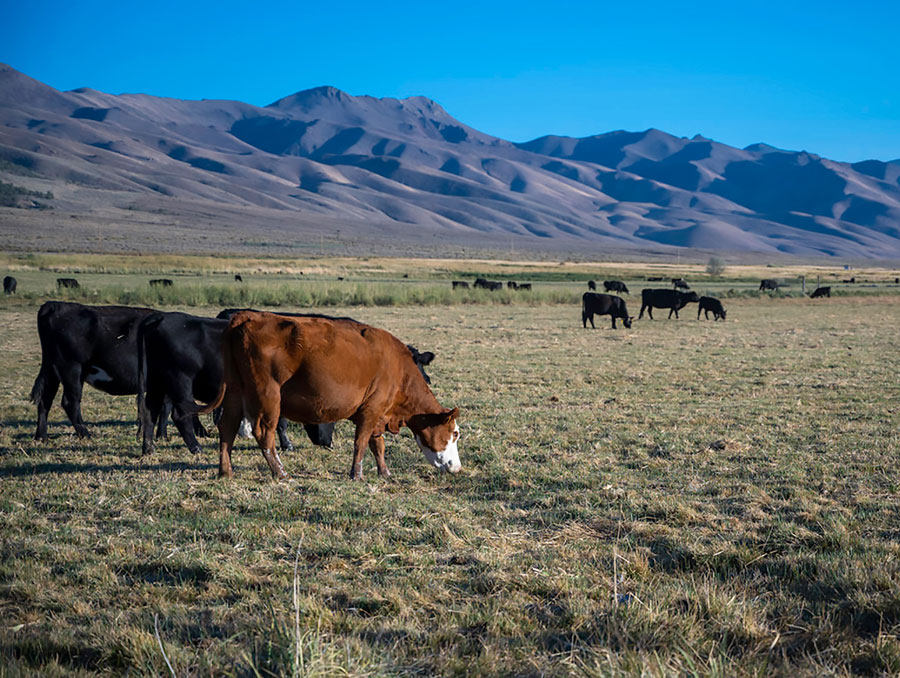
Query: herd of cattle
pixel 267 368
pixel 311 368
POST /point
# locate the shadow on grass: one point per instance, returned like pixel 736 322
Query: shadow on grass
pixel 68 467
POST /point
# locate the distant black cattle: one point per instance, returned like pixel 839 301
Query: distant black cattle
pixel 462 284
pixel 674 300
pixel 524 286
pixel 708 304
pixel 821 292
pixel 592 285
pixel 680 283
pixel 67 282
pixel 9 285
pixel 511 285
pixel 93 344
pixel 161 282
pixel 615 286
pixel 768 284
pixel 603 304
pixel 238 278
pixel 486 284
pixel 656 278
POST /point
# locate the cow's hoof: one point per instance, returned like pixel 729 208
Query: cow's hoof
pixel 197 450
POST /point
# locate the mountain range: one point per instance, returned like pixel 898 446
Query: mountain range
pixel 406 169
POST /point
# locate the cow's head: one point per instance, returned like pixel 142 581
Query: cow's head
pixel 437 436
pixel 627 321
pixel 723 313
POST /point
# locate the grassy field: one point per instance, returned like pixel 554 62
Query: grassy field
pixel 681 498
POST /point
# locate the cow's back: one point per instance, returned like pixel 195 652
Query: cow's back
pixel 100 339
pixel 325 368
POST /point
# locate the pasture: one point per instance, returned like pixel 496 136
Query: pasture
pixel 681 498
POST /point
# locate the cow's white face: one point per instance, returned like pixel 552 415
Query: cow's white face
pixel 446 459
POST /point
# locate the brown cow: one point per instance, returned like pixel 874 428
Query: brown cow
pixel 319 370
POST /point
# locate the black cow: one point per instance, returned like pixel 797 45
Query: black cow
pixel 180 358
pixel 674 300
pixel 523 287
pixel 821 292
pixel 486 284
pixel 238 278
pixel 511 285
pixel 708 304
pixel 680 283
pixel 9 285
pixel 161 282
pixel 768 284
pixel 603 304
pixel 93 344
pixel 461 284
pixel 592 285
pixel 67 282
pixel 615 286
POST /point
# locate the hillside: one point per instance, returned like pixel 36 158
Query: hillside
pixel 321 162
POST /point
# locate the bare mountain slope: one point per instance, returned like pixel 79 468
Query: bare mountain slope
pixel 380 165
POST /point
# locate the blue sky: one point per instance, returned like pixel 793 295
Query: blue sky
pixel 817 76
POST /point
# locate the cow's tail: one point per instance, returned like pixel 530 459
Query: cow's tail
pixel 584 313
pixel 228 374
pixel 144 422
pixel 44 329
pixel 37 391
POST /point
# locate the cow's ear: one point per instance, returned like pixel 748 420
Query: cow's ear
pixel 426 358
pixel 451 415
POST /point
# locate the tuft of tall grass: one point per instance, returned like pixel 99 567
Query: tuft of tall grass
pixel 309 294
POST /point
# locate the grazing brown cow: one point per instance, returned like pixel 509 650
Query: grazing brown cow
pixel 319 370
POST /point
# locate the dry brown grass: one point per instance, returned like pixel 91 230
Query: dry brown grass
pixel 684 498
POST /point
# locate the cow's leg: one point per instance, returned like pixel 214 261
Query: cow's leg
pixel 613 321
pixel 199 429
pixel 641 314
pixel 376 444
pixel 71 400
pixel 230 418
pixel 283 440
pixel 364 429
pixel 155 404
pixel 649 312
pixel 50 385
pixel 162 420
pixel 181 392
pixel 264 411
pixel 184 422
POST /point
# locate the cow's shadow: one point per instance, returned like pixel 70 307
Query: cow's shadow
pixel 44 468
